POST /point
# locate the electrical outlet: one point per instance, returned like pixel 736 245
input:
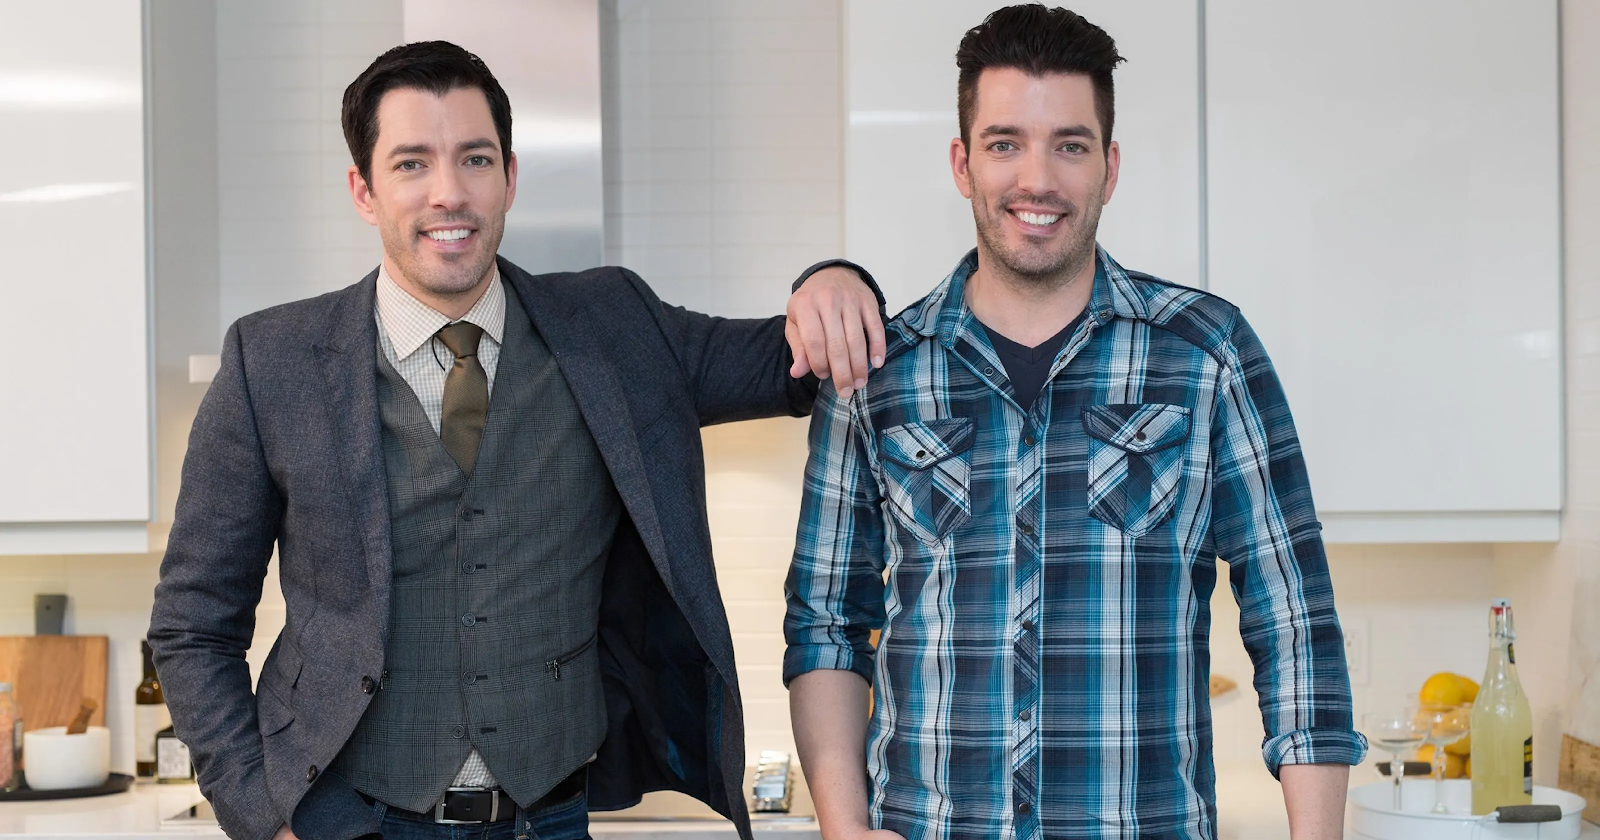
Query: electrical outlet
pixel 1355 650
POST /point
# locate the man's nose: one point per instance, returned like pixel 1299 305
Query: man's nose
pixel 1036 174
pixel 447 190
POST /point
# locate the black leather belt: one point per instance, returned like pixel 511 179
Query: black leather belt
pixel 468 806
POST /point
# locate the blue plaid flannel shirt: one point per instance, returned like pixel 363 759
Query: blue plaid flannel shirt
pixel 1042 579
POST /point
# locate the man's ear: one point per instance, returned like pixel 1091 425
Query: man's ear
pixel 511 179
pixel 1113 165
pixel 361 195
pixel 958 167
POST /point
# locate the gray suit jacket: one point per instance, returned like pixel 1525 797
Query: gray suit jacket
pixel 285 452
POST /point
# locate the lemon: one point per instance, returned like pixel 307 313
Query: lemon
pixel 1445 689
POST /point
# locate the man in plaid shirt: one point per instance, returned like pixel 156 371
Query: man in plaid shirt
pixel 1029 499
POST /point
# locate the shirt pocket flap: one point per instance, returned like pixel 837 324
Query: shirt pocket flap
pixel 918 446
pixel 1138 428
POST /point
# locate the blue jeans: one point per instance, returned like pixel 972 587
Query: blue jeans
pixel 567 820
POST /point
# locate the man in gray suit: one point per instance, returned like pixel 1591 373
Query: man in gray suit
pixel 487 495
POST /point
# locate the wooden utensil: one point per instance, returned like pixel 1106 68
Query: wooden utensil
pixel 80 724
pixel 1221 685
pixel 53 674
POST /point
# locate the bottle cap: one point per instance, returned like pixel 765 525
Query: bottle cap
pixel 1500 602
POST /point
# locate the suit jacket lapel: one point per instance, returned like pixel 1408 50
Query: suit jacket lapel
pixel 599 394
pixel 350 370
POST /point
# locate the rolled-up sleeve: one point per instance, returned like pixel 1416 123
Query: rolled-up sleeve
pixel 834 590
pixel 1264 525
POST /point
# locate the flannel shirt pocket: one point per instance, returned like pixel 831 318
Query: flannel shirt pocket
pixel 927 470
pixel 1136 458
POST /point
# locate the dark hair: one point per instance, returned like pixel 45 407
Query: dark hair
pixel 434 66
pixel 1037 40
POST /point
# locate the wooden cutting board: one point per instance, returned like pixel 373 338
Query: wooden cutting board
pixel 52 675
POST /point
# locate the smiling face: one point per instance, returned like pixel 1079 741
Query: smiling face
pixel 1037 173
pixel 439 193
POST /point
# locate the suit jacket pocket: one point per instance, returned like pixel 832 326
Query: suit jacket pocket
pixel 1136 455
pixel 927 472
pixel 272 714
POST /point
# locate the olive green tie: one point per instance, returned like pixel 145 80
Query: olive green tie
pixel 466 395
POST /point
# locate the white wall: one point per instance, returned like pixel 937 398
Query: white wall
pixel 1579 551
pixel 288 230
pixel 722 147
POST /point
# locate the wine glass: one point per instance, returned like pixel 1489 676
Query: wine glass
pixel 1395 733
pixel 1445 725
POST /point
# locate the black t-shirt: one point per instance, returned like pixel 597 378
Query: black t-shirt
pixel 1028 367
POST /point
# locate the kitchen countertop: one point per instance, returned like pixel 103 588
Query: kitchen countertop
pixel 1249 804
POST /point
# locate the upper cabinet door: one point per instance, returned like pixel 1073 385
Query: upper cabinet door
pixel 1383 194
pixel 75 423
pixel 905 219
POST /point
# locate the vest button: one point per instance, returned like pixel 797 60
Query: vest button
pixel 468 679
pixel 468 620
pixel 311 773
pixel 466 568
pixel 466 516
pixel 368 685
pixel 458 732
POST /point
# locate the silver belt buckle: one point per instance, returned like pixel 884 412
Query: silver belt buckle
pixel 494 806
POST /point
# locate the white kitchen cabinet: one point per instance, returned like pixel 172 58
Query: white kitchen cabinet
pixel 75 442
pixel 904 218
pixel 1383 204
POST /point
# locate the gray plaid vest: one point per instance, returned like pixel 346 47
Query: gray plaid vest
pixel 496 590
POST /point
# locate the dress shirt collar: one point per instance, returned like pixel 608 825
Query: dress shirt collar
pixel 409 322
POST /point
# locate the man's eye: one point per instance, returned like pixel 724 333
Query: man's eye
pixel 1002 146
pixel 409 165
pixel 1075 148
pixel 478 160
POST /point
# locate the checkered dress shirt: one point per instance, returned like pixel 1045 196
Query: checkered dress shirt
pixel 407 335
pixel 1043 578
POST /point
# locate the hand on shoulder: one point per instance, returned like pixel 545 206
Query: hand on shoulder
pixel 834 329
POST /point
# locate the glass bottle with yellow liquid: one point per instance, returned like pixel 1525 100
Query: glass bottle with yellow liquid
pixel 1502 724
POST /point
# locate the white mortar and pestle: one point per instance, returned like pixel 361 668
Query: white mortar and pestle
pixel 68 757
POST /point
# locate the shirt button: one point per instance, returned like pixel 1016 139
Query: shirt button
pixel 311 773
pixel 1025 715
pixel 1025 528
pixel 1029 441
pixel 458 732
pixel 1024 808
pixel 368 685
pixel 468 620
pixel 922 453
pixel 988 371
pixel 1138 437
pixel 1027 624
